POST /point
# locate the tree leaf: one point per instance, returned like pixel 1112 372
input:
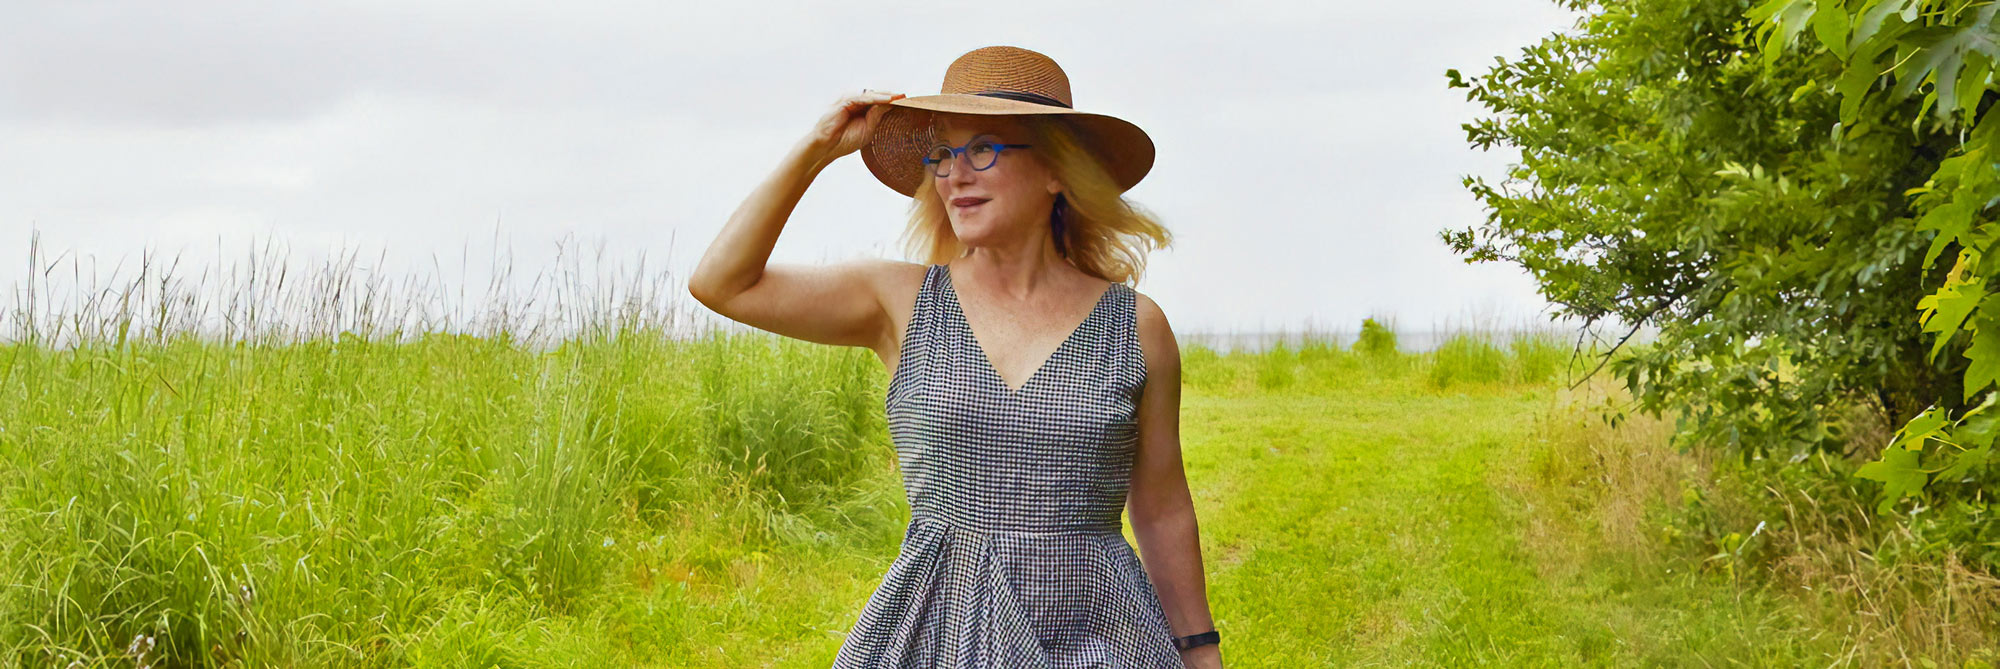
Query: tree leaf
pixel 1873 18
pixel 1899 474
pixel 1984 354
pixel 1946 309
pixel 1972 83
pixel 1967 462
pixel 1928 424
pixel 1951 220
pixel 1780 21
pixel 1936 53
pixel 1830 24
pixel 1859 75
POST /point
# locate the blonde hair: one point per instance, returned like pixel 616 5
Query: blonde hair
pixel 1102 233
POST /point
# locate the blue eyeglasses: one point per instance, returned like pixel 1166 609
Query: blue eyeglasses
pixel 981 151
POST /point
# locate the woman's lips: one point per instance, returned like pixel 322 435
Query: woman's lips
pixel 968 202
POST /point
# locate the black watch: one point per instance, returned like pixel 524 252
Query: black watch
pixel 1197 640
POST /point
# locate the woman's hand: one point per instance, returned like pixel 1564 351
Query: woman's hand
pixel 848 125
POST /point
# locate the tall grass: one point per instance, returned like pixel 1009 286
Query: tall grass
pixel 323 468
pixel 1807 534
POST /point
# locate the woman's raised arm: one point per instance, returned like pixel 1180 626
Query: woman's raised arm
pixel 839 303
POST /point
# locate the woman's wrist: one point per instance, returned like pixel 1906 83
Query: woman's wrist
pixel 1210 637
pixel 811 154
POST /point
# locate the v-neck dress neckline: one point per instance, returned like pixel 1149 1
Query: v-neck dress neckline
pixel 993 370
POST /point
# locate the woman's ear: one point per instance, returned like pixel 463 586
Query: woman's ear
pixel 1054 187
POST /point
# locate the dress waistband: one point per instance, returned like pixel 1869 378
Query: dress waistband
pixel 975 529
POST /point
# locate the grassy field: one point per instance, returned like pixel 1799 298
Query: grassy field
pixel 1373 518
pixel 626 499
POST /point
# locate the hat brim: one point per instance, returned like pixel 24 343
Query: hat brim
pixel 895 151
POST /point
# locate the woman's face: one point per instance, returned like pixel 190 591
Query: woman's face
pixel 1001 203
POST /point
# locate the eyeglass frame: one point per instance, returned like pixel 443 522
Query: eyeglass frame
pixel 956 151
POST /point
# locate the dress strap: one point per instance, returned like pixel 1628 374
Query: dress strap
pixel 1132 357
pixel 917 334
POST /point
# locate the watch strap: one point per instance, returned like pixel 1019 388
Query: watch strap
pixel 1197 640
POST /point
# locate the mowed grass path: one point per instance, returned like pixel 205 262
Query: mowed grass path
pixel 1374 521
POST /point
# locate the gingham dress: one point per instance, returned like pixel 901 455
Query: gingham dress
pixel 1014 555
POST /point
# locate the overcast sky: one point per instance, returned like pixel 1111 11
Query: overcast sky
pixel 1308 152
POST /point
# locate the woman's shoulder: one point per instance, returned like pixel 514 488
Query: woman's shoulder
pixel 1156 334
pixel 1148 312
pixel 891 277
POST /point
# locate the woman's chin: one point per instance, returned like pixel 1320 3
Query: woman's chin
pixel 972 235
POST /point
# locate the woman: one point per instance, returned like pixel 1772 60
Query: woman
pixel 1032 393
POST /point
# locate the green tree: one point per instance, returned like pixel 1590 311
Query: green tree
pixel 1672 173
pixel 1888 52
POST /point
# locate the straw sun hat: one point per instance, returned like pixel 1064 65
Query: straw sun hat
pixel 999 81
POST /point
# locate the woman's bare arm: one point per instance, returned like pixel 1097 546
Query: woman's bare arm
pixel 837 303
pixel 1161 508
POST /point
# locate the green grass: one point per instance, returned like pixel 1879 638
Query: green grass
pixel 1371 519
pixel 449 500
pixel 623 498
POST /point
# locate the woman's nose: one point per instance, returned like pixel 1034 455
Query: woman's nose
pixel 961 168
